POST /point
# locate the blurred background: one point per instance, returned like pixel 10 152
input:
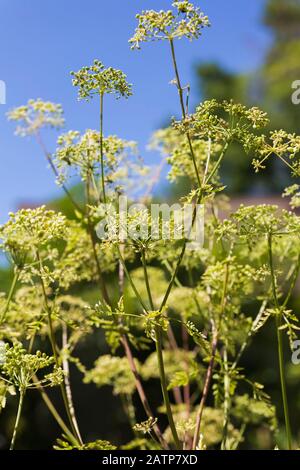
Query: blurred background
pixel 251 54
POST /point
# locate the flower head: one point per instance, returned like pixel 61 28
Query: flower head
pixel 185 20
pixel 82 154
pixel 30 229
pixel 97 79
pixel 225 121
pixel 36 114
pixel 20 367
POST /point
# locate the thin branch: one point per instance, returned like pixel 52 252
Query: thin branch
pixel 54 169
pixel 280 345
pixel 206 387
pixel 66 369
pixel 17 422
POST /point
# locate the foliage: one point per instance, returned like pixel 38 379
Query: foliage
pixel 183 310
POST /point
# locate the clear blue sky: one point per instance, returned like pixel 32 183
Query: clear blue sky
pixel 42 41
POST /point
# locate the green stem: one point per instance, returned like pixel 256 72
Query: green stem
pixel 280 346
pixel 55 171
pixel 131 281
pixel 183 111
pixel 10 295
pixel 13 440
pixel 218 163
pixel 178 81
pixel 158 344
pixel 101 148
pixel 91 232
pixel 292 282
pixel 209 372
pixel 206 387
pixel 55 413
pixel 249 335
pixel 68 390
pixel 147 280
pixel 199 200
pixel 163 381
pixel 161 367
pixel 53 346
pixel 226 399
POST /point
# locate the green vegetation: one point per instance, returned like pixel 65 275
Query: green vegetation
pixel 169 322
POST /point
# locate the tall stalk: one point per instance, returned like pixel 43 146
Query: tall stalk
pixel 199 200
pixel 54 169
pixel 161 368
pixel 93 242
pixel 17 422
pixel 10 295
pixel 101 147
pixel 66 369
pixel 183 110
pixel 280 345
pixel 226 398
pixel 55 413
pixel 55 355
pixel 214 344
pixel 206 387
pixel 124 340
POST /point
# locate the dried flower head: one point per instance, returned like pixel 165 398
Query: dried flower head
pixel 99 80
pixel 185 20
pixel 35 115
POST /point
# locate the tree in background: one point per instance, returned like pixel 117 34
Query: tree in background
pixel 270 87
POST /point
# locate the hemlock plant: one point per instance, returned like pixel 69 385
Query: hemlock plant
pixel 185 308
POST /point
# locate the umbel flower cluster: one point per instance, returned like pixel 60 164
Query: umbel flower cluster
pixel 185 20
pixel 178 319
pixel 35 115
pixel 97 80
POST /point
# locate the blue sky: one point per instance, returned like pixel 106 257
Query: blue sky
pixel 42 41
